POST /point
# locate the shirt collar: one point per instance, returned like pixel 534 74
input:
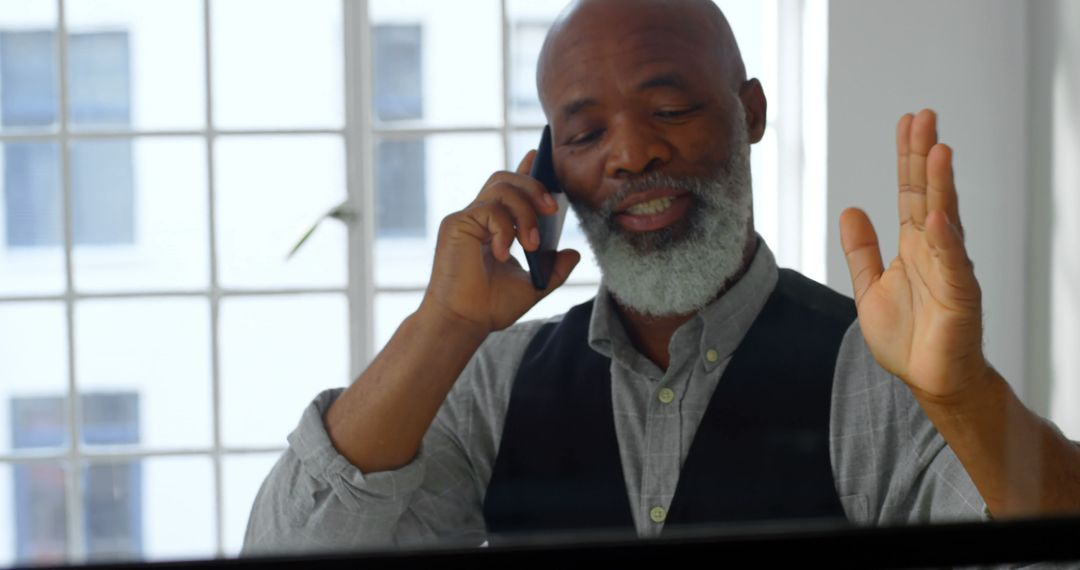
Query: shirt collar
pixel 722 323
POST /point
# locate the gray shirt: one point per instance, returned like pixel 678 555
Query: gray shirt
pixel 889 463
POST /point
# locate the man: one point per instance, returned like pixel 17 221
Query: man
pixel 702 385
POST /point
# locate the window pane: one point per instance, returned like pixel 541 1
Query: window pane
pixel 459 74
pixel 136 64
pixel 278 63
pixel 142 207
pixel 31 240
pixel 529 22
pixel 112 505
pixel 398 72
pixel 33 364
pixel 400 206
pixel 34 500
pixel 32 196
pixel 277 353
pixel 102 193
pixel 178 508
pixel 151 358
pixel 451 170
pixel 29 91
pixel 243 474
pixel 99 79
pixel 269 191
pixel 110 418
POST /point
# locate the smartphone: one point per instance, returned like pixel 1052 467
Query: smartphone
pixel 542 260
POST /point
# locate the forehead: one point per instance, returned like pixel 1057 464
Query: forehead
pixel 587 55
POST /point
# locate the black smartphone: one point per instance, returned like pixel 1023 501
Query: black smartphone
pixel 542 260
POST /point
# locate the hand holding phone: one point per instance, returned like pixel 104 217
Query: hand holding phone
pixel 542 260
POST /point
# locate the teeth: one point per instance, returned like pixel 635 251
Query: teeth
pixel 651 207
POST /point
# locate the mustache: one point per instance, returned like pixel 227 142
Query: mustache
pixel 695 186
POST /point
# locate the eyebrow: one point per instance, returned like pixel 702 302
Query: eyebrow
pixel 578 105
pixel 667 80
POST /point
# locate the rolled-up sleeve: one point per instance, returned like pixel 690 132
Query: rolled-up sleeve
pixel 314 500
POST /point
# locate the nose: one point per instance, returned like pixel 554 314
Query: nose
pixel 635 148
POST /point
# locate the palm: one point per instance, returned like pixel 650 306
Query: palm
pixel 921 316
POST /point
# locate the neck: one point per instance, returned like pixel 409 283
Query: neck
pixel 651 334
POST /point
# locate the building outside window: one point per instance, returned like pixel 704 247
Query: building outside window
pixel 113 509
pixel 102 195
pixel 397 71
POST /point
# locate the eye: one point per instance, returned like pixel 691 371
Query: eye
pixel 587 137
pixel 676 112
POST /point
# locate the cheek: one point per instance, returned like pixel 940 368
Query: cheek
pixel 581 175
pixel 706 147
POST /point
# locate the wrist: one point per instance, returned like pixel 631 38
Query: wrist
pixel 438 320
pixel 987 392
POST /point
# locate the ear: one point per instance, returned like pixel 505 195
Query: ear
pixel 753 99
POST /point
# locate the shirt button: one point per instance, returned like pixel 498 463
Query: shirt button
pixel 711 355
pixel 666 395
pixel 658 514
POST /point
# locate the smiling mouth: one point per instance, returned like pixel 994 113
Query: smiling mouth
pixel 651 207
pixel 654 214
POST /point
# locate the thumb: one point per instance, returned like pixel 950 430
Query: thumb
pixel 861 251
pixel 565 262
pixel 526 163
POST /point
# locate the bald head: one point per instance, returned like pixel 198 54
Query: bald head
pixel 698 21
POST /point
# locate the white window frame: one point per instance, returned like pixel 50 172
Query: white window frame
pixel 359 135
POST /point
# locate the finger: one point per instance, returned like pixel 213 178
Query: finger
pixel 497 227
pixel 903 182
pixel 521 210
pixel 542 200
pixel 526 163
pixel 941 188
pixel 545 202
pixel 861 251
pixel 957 271
pixel 923 138
pixel 565 262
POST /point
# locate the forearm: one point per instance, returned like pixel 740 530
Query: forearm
pixel 378 423
pixel 1021 465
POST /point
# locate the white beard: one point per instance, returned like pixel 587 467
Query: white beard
pixel 660 273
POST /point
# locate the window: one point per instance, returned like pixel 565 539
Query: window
pixel 159 162
pixel 103 208
pixel 112 514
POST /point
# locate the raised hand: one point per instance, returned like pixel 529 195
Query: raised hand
pixel 922 316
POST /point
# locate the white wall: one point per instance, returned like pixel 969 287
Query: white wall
pixel 1053 365
pixel 967 59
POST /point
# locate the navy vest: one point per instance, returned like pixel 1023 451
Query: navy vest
pixel 760 453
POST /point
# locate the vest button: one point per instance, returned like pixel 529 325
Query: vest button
pixel 666 395
pixel 658 514
pixel 711 355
